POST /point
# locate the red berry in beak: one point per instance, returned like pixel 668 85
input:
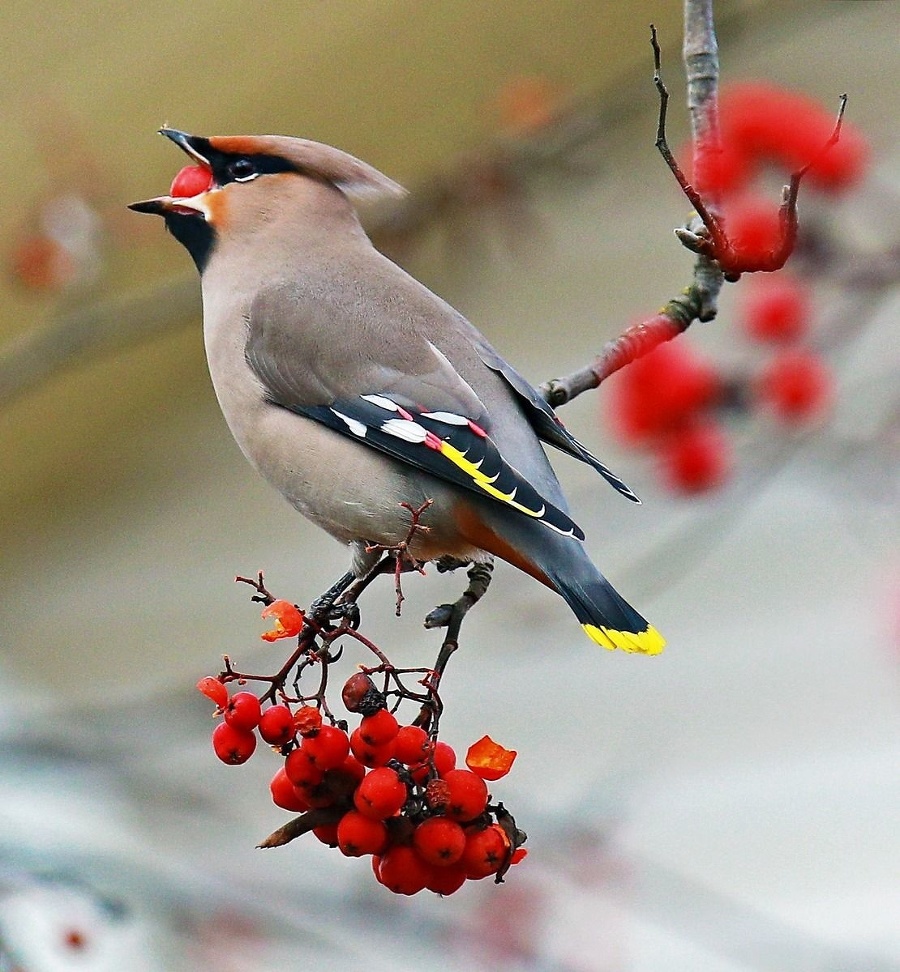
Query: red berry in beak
pixel 191 181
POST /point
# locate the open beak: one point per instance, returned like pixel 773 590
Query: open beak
pixel 194 146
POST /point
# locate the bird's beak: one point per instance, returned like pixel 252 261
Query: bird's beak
pixel 194 146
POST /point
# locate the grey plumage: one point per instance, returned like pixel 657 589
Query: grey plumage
pixel 352 388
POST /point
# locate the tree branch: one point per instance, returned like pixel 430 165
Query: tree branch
pixel 699 301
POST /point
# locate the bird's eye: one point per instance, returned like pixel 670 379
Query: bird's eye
pixel 242 170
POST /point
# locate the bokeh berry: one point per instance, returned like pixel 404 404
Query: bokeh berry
pixel 796 386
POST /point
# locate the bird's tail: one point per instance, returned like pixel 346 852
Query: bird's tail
pixel 561 563
pixel 607 618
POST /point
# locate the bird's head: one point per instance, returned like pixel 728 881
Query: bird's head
pixel 236 181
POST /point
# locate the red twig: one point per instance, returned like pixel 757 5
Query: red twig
pixel 403 559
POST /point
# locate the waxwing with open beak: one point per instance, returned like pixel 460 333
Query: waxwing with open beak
pixel 353 389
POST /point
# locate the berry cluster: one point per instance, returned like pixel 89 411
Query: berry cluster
pixel 385 790
pixel 795 384
pixel 761 127
pixel 669 402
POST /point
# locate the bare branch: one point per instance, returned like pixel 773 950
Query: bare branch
pixel 699 301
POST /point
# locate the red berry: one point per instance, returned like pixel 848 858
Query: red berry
pixel 660 392
pixel 696 459
pixel 446 880
pixel 753 227
pixel 403 871
pixel 358 835
pixel 233 746
pixel 444 759
pixel 353 768
pixel 214 690
pixel 276 725
pixel 468 794
pixel 243 711
pixel 191 181
pixel 776 309
pixel 439 841
pixel 301 771
pixel 327 833
pixel 412 745
pixel 381 794
pixel 485 852
pixel 797 386
pixel 328 748
pixel 378 729
pixel 286 795
pixel 370 755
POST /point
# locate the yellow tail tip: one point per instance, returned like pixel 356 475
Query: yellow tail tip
pixel 648 642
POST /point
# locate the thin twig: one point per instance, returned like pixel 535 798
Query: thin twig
pixel 698 301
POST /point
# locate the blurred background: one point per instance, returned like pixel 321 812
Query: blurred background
pixel 730 806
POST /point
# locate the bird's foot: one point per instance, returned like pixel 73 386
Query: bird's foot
pixel 332 605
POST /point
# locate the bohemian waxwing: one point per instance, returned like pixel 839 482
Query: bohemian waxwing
pixel 353 389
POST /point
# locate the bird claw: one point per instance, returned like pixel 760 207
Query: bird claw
pixel 325 608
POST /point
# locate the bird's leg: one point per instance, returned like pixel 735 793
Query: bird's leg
pixel 447 564
pixel 345 604
pixel 324 604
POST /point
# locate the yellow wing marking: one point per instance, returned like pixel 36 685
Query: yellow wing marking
pixel 484 481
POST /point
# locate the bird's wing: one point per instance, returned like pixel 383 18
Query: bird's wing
pixel 444 444
pixel 544 420
pixel 402 397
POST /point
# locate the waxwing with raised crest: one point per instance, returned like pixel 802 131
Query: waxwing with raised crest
pixel 353 389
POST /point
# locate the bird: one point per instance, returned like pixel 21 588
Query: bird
pixel 357 392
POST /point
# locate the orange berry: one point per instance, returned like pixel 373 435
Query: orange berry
pixel 381 794
pixel 468 794
pixel 358 835
pixel 403 871
pixel 485 852
pixel 439 841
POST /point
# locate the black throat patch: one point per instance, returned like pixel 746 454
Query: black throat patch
pixel 194 233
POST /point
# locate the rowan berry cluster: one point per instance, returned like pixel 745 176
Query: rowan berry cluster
pixel 764 127
pixel 671 402
pixel 384 790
